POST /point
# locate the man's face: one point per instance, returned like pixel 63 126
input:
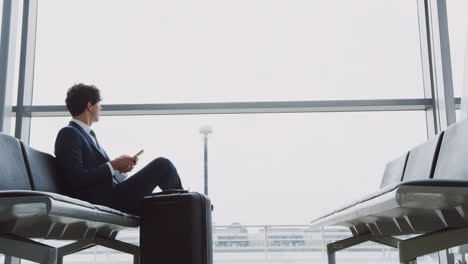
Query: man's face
pixel 95 112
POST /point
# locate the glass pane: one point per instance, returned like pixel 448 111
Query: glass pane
pixel 12 126
pixel 17 48
pixel 214 51
pixel 460 115
pixel 1 16
pixel 261 165
pixel 458 32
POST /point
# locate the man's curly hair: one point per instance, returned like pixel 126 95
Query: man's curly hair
pixel 78 97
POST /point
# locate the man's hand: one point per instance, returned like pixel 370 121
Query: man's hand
pixel 124 163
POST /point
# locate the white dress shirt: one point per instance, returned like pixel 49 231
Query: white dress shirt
pixel 117 174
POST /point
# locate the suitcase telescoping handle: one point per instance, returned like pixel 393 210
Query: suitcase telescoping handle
pixel 171 191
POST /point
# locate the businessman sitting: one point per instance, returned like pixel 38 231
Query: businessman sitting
pixel 89 173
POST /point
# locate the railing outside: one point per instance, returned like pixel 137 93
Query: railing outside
pixel 259 244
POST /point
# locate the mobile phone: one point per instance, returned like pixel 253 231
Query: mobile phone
pixel 139 153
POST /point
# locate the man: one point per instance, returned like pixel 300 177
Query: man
pixel 88 172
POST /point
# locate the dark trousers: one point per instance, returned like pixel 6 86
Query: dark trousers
pixel 128 195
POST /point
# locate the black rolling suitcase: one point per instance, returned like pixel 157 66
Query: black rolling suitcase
pixel 176 229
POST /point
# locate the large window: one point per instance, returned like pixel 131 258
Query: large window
pixel 264 168
pixel 458 31
pixel 211 51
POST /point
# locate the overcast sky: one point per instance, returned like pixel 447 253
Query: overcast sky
pixel 263 168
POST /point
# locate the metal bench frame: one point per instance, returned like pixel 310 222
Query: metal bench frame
pixel 409 249
pixel 33 206
pixel 24 248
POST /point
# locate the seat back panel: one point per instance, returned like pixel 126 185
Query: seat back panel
pixel 422 159
pixel 394 171
pixel 453 158
pixel 13 173
pixel 42 168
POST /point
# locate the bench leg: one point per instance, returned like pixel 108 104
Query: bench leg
pixel 12 260
pixel 109 243
pixel 333 247
pixel 24 248
pixel 331 257
pixel 428 243
pixel 28 249
pixel 120 246
pixel 73 248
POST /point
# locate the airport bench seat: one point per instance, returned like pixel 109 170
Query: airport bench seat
pixel 33 206
pixel 410 199
pixel 56 216
pixel 423 193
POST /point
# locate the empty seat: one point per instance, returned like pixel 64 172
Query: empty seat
pixel 394 171
pixel 13 173
pixel 453 159
pixel 431 201
pixel 422 160
pixel 391 178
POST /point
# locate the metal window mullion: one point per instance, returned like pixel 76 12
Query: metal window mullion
pixel 443 64
pixel 7 61
pixel 26 71
pixel 464 100
pixel 241 107
pixel 426 63
pixel 436 64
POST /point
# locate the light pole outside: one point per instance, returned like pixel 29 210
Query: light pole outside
pixel 205 130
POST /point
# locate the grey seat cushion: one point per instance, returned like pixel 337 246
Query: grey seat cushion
pixel 389 188
pixel 113 211
pixel 422 183
pixel 63 198
pixel 381 191
pixel 58 197
pixel 340 208
pixel 392 177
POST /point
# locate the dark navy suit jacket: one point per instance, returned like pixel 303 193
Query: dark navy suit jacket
pixel 83 167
